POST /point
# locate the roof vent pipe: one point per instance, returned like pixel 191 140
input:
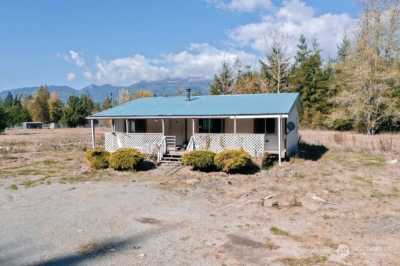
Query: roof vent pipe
pixel 188 94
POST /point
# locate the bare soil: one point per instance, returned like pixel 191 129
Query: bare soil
pixel 337 203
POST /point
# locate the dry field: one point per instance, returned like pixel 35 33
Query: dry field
pixel 337 203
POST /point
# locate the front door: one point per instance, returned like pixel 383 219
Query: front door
pixel 176 127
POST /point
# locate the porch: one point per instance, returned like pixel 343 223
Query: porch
pixel 162 136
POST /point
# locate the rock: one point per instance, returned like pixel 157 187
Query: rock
pixel 192 181
pixel 392 161
pixel 276 205
pixel 340 254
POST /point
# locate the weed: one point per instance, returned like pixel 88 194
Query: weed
pixel 271 245
pixel 279 232
pixel 307 261
pixel 13 187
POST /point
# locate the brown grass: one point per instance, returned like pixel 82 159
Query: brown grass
pixel 350 141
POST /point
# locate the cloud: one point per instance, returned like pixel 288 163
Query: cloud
pixel 198 61
pixel 71 76
pixel 291 20
pixel 242 5
pixel 76 58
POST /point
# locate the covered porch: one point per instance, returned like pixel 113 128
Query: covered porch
pixel 162 135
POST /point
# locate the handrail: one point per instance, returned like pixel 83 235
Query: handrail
pixel 191 144
pixel 162 148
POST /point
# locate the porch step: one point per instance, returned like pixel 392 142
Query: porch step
pixel 171 158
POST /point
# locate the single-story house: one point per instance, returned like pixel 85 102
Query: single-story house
pixel 258 123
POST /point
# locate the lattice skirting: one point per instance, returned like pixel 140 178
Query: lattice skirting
pixel 147 143
pixel 252 143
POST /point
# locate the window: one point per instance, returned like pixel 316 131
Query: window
pixel 137 126
pixel 211 125
pixel 264 126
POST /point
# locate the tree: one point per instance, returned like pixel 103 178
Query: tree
pixel 344 50
pixel 124 96
pixel 39 106
pixel 223 82
pixel 76 111
pixel 16 112
pixel 275 70
pixel 107 103
pixel 55 108
pixel 249 82
pixel 302 51
pixel 311 80
pixel 3 119
pixel 143 93
pixel 372 71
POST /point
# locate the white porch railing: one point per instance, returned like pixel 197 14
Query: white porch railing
pixel 148 143
pixel 254 144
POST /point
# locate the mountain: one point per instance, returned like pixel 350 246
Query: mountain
pixel 63 91
pixel 167 87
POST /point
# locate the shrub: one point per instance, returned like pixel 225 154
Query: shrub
pixel 233 160
pixel 97 158
pixel 268 160
pixel 126 159
pixel 199 160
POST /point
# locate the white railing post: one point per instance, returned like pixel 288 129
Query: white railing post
pixel 92 125
pixel 279 141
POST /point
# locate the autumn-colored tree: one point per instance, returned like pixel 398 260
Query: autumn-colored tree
pixel 249 82
pixel 39 107
pixel 107 103
pixel 55 107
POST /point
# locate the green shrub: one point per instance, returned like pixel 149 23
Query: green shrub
pixel 97 158
pixel 126 159
pixel 233 160
pixel 199 160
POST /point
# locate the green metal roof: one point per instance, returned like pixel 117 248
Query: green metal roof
pixel 209 105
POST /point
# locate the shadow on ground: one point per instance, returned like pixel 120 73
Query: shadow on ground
pixel 89 251
pixel 312 152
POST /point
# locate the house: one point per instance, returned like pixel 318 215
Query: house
pixel 160 126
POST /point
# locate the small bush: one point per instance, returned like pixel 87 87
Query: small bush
pixel 233 160
pixel 126 159
pixel 97 158
pixel 199 160
pixel 269 160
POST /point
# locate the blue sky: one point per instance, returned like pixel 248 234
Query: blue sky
pixel 79 42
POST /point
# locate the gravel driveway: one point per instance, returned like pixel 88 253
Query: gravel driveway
pixel 103 224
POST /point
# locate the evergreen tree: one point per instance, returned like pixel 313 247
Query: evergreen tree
pixel 74 112
pixel 3 119
pixel 303 51
pixel 39 106
pixel 55 108
pixel 223 82
pixel 312 82
pixel 16 112
pixel 344 50
pixel 275 71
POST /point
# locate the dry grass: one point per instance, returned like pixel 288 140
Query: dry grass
pixel 350 141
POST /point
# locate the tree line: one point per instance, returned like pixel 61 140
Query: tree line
pixel 47 107
pixel 357 90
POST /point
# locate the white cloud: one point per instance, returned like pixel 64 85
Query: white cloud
pixel 198 61
pixel 76 58
pixel 291 20
pixel 71 76
pixel 242 5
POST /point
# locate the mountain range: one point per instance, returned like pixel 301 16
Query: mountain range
pixel 166 87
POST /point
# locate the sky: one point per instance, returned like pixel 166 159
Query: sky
pixel 120 42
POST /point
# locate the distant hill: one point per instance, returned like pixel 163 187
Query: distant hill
pixel 167 87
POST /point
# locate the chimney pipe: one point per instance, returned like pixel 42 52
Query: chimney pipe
pixel 188 94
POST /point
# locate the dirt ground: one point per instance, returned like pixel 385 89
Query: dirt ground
pixel 336 203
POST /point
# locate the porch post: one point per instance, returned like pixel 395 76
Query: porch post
pixel 127 125
pixel 235 125
pixel 92 125
pixel 163 126
pixel 193 127
pixel 279 140
pixel 113 125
